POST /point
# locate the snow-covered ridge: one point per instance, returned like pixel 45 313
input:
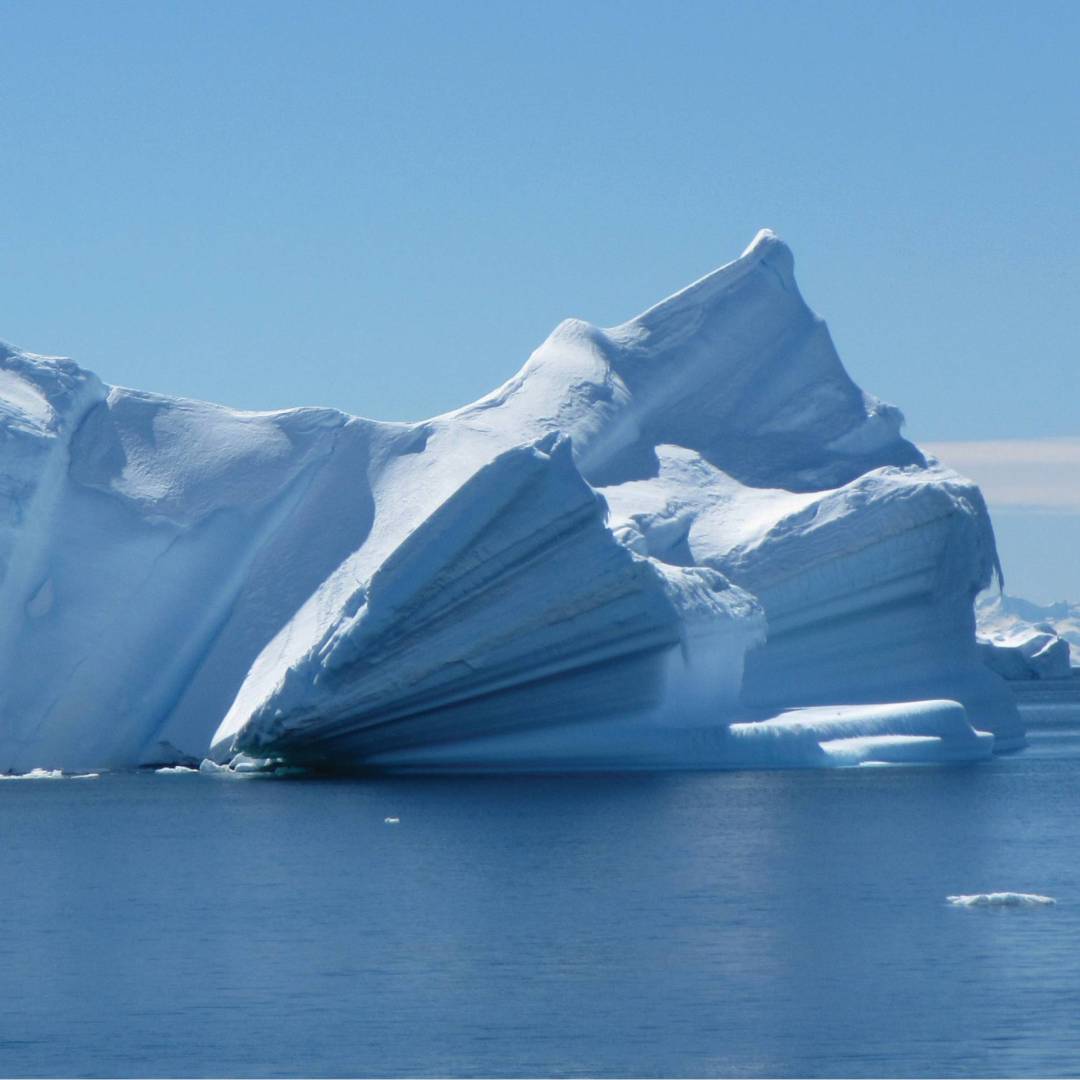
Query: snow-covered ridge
pixel 686 541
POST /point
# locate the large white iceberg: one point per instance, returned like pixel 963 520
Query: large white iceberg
pixel 687 541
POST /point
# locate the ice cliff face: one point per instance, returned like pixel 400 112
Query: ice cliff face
pixel 687 541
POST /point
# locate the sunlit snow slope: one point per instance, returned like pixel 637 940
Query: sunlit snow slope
pixel 687 541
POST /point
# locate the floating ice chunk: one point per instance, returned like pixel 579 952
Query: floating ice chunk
pixel 49 774
pixel 1001 899
pixel 911 732
pixel 392 820
pixel 242 767
pixel 225 772
pixel 176 770
pixel 243 764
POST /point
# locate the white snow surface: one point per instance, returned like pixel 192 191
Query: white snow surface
pixel 686 541
pixel 1024 640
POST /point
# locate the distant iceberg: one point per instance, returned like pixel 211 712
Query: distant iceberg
pixel 48 774
pixel 1001 899
pixel 34 774
pixel 1021 640
pixel 689 541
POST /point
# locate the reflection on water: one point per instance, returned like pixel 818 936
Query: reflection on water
pixel 784 923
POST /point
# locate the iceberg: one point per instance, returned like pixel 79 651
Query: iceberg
pixel 1001 899
pixel 688 541
pixel 49 774
pixel 1022 640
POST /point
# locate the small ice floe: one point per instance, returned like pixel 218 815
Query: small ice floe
pixel 232 770
pixel 1001 899
pixel 49 774
pixel 242 767
pixel 392 820
pixel 176 770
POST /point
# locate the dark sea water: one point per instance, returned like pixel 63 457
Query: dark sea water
pixel 774 923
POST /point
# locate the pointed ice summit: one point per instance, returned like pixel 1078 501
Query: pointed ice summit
pixel 689 541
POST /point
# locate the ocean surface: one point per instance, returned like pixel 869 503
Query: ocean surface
pixel 733 924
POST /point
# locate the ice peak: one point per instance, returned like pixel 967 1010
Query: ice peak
pixel 763 238
pixel 766 252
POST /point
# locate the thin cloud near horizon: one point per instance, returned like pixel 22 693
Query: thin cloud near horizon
pixel 1033 474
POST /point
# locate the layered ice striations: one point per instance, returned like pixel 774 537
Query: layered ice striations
pixel 510 608
pixel 687 541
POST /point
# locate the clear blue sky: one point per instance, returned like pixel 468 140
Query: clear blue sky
pixel 385 207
